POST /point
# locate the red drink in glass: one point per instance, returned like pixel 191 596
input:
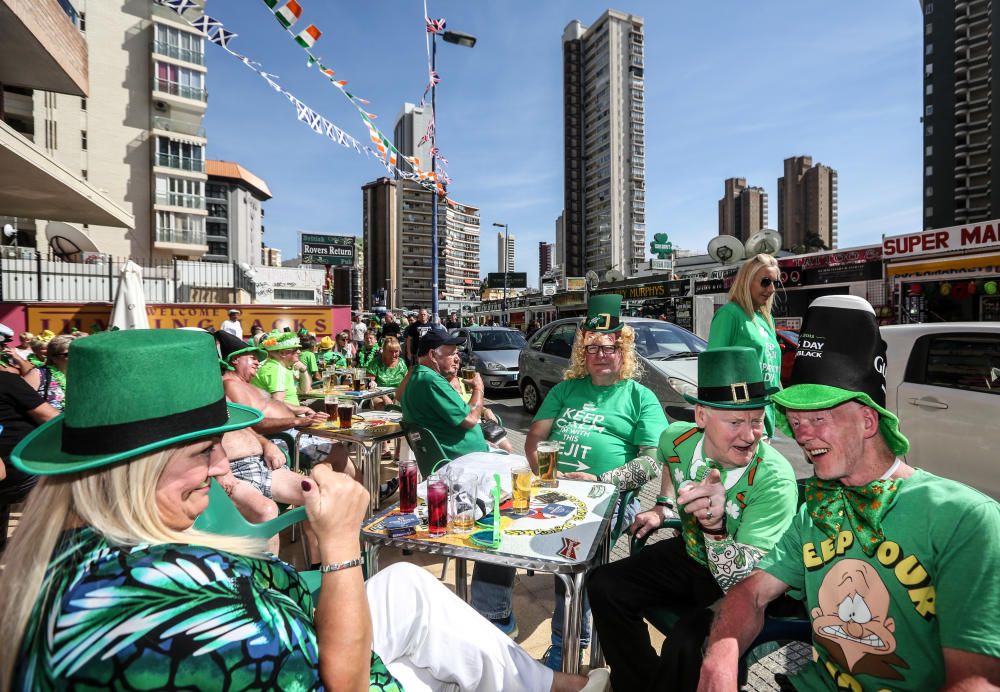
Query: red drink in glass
pixel 407 486
pixel 437 508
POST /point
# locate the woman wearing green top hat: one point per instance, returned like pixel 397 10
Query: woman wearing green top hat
pixel 132 596
pixel 746 321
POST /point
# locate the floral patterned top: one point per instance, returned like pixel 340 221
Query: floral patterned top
pixel 171 617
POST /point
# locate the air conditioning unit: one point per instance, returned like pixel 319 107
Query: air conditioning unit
pixel 160 106
pixel 15 252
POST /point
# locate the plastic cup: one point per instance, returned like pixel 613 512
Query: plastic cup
pixel 437 506
pixel 468 373
pixel 547 453
pixel 407 486
pixel 521 478
pixel 464 490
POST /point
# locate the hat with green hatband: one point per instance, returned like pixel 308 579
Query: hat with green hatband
pixel 122 402
pixel 280 341
pixel 731 377
pixel 604 314
pixel 233 347
pixel 840 357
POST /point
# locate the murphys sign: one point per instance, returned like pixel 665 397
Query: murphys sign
pixel 971 236
pixel 331 250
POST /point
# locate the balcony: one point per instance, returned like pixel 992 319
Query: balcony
pixel 177 53
pixel 162 86
pixel 183 242
pixel 180 163
pixel 179 127
pixel 179 199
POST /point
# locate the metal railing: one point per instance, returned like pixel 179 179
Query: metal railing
pixel 186 54
pixel 180 199
pixel 178 126
pixel 180 162
pixel 184 91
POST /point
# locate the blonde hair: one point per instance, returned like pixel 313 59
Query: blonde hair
pixel 391 343
pixel 739 292
pixel 61 342
pixel 117 501
pixel 631 365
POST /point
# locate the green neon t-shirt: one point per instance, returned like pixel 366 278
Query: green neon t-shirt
pixel 386 376
pixel 881 622
pixel 308 359
pixel 273 377
pixel 601 428
pixel 430 402
pixel 732 327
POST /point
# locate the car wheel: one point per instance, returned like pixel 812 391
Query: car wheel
pixel 531 398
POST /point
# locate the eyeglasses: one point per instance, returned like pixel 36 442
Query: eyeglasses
pixel 59 355
pixel 765 282
pixel 608 350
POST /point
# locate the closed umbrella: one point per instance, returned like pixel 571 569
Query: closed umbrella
pixel 129 310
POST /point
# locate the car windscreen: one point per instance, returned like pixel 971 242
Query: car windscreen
pixel 500 340
pixel 662 340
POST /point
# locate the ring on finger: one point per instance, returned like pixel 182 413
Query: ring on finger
pixel 708 515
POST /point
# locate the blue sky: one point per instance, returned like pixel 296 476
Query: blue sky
pixel 732 89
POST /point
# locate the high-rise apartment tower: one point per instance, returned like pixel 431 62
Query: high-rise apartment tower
pixel 742 209
pixel 807 205
pixel 505 257
pixel 605 150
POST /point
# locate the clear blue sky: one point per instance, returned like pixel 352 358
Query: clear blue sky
pixel 732 89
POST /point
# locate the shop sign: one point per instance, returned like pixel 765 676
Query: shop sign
pixel 548 289
pixel 660 289
pixel 707 286
pixel 575 283
pixel 968 237
pixel 331 250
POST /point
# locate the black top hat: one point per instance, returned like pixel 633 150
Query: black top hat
pixel 230 347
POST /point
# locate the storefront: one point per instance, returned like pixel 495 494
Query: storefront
pixel 946 275
pixel 853 271
pixel 654 299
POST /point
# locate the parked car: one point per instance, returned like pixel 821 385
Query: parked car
pixel 493 352
pixel 943 381
pixel 669 355
pixel 788 341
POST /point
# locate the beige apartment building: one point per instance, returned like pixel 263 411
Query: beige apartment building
pixel 505 252
pixel 742 209
pixel 137 136
pixel 396 217
pixel 42 47
pixel 807 206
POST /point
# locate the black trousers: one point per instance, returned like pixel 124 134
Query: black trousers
pixel 662 575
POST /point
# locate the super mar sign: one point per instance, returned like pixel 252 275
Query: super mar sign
pixel 331 250
pixel 968 237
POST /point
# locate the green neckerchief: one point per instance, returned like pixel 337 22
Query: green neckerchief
pixel 365 359
pixel 58 376
pixel 694 541
pixel 831 503
pixel 33 359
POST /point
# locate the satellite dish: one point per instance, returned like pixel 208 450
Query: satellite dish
pixel 593 281
pixel 725 249
pixel 68 242
pixel 613 275
pixel 765 242
pixel 9 231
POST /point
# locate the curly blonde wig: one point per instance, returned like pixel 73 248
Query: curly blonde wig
pixel 631 365
pixel 739 292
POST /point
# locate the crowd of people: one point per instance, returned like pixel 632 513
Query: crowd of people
pixel 888 562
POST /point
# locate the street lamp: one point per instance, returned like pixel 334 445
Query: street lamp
pixel 506 268
pixel 459 39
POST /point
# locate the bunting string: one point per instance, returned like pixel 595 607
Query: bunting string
pixel 384 152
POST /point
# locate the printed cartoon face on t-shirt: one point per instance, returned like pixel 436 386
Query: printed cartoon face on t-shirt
pixel 853 613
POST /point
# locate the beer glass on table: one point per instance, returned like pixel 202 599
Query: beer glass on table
pixel 547 453
pixel 345 413
pixel 521 478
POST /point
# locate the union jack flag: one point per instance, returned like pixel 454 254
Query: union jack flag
pixel 436 26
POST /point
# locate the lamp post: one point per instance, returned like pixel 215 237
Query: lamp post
pixel 459 39
pixel 506 268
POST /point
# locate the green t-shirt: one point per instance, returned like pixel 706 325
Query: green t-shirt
pixel 386 376
pixel 761 497
pixel 601 428
pixel 430 402
pixel 332 358
pixel 308 359
pixel 881 622
pixel 732 327
pixel 273 377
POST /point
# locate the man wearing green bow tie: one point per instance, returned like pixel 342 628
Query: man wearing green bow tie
pixel 895 563
pixel 736 496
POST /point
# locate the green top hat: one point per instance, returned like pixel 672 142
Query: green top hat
pixel 126 400
pixel 731 378
pixel 604 314
pixel 280 341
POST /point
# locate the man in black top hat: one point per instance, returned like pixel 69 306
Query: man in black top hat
pixel 893 561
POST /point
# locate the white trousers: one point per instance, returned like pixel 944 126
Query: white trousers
pixel 430 639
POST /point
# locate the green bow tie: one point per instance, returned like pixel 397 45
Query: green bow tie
pixel 830 504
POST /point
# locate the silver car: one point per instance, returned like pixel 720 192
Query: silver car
pixel 493 352
pixel 669 355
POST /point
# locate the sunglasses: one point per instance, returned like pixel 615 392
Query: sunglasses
pixel 608 350
pixel 765 282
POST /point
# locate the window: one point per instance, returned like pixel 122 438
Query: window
pixel 83 140
pixel 929 89
pixel 957 361
pixel 293 294
pixel 560 341
pixel 929 9
pixel 83 174
pixel 929 109
pixel 83 22
pixel 83 103
pixel 928 151
pixel 929 49
pixel 929 171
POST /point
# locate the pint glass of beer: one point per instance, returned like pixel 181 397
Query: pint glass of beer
pixel 521 486
pixel 548 460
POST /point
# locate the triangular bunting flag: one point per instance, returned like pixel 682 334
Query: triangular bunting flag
pixel 289 14
pixel 308 37
pixel 204 23
pixel 222 37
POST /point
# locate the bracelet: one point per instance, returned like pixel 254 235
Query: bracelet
pixel 665 501
pixel 337 566
pixel 721 532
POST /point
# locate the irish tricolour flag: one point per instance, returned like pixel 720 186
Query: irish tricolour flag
pixel 288 14
pixel 308 37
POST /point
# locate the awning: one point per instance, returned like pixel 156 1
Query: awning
pixel 943 265
pixel 34 186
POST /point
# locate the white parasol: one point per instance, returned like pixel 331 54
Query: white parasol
pixel 129 310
